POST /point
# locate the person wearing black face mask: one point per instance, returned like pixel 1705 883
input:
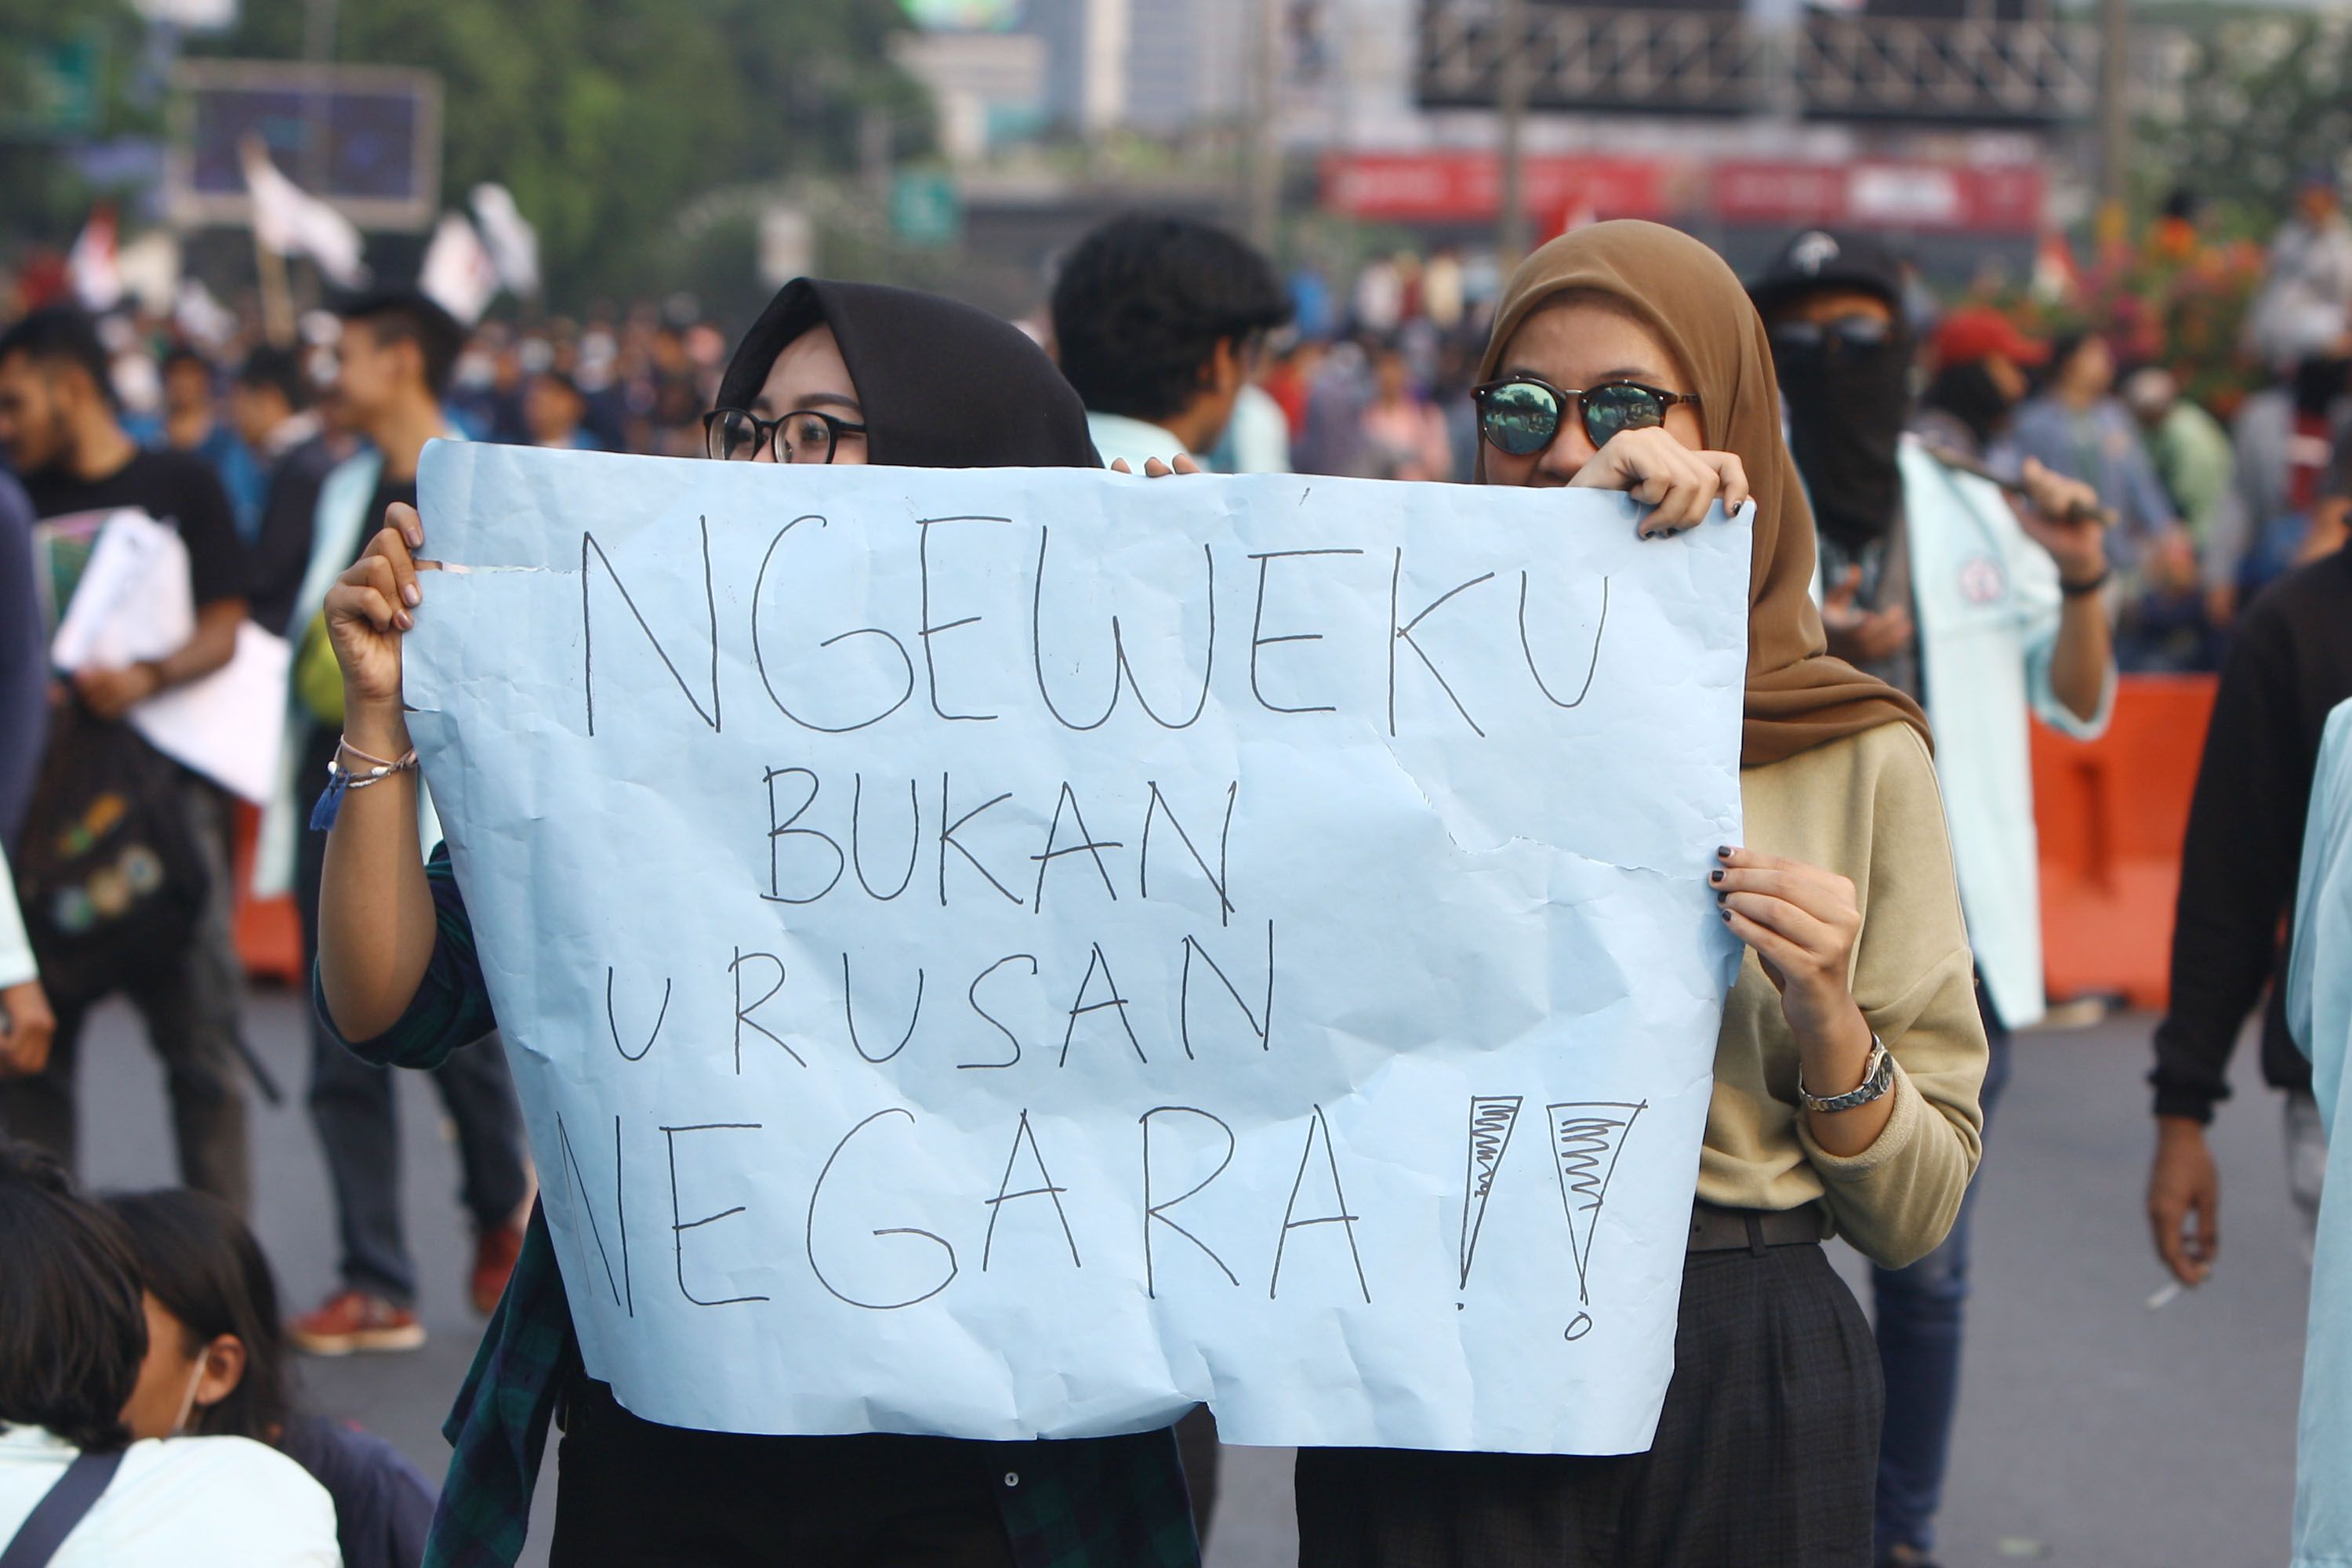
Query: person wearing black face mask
pixel 1934 581
pixel 1980 361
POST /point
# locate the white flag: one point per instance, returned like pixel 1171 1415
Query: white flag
pixel 513 243
pixel 91 265
pixel 200 316
pixel 150 270
pixel 290 221
pixel 459 274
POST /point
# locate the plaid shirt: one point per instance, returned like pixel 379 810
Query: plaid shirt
pixel 1102 1502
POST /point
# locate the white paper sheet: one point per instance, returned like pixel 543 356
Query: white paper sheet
pixel 133 601
pixel 227 725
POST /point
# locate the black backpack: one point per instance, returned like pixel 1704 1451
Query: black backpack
pixel 111 878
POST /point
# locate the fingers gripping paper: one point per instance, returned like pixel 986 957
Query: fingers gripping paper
pixel 1014 952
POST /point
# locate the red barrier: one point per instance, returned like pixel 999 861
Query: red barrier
pixel 2111 813
pixel 268 932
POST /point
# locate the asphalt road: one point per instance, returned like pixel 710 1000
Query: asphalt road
pixel 2094 1430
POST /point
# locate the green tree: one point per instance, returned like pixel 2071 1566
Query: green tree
pixel 606 117
pixel 2263 98
pixel 43 197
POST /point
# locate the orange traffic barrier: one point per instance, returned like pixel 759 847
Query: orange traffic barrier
pixel 268 932
pixel 2110 814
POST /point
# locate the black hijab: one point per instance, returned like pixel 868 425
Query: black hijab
pixel 943 385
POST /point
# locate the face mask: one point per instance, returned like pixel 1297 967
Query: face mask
pixel 188 1399
pixel 1847 404
pixel 1969 395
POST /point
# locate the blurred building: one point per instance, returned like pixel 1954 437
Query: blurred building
pixel 1958 126
pixel 1952 125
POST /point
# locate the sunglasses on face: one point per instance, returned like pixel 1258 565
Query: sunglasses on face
pixel 1521 414
pixel 737 436
pixel 1844 335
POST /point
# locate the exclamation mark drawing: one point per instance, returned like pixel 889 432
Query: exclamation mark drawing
pixel 1492 1117
pixel 1586 1138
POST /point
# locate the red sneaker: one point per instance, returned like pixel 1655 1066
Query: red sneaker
pixel 355 1321
pixel 495 1251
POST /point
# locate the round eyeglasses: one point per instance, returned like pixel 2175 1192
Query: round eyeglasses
pixel 737 436
pixel 1521 414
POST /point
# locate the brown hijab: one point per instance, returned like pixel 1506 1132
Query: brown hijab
pixel 1798 697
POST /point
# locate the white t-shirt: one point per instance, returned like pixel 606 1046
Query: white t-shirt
pixel 188 1502
pixel 16 953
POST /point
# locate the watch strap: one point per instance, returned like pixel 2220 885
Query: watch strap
pixel 1877 1077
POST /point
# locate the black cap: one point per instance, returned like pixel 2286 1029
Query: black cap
pixel 1817 258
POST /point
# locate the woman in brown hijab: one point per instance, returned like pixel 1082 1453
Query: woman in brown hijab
pixel 1847 1070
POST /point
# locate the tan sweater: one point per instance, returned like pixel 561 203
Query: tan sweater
pixel 1868 807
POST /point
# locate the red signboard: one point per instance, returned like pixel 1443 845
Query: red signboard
pixel 1880 193
pixel 1465 187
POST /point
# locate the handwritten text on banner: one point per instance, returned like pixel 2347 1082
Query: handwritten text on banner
pixel 1014 954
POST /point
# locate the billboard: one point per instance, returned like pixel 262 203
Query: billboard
pixel 963 15
pixel 1911 197
pixel 365 139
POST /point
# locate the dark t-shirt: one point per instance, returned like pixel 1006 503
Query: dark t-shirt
pixel 281 556
pixel 387 490
pixel 382 1506
pixel 175 487
pixel 2289 667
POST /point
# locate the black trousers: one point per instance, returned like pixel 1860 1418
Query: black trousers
pixel 189 1001
pixel 1763 1458
pixel 1196 1448
pixel 635 1494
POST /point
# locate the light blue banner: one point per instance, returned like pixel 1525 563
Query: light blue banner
pixel 1018 953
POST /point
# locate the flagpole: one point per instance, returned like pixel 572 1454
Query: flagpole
pixel 277 299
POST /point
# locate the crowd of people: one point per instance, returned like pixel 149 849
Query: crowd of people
pixel 1959 524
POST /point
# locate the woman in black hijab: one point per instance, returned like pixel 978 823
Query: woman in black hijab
pixel 894 377
pixel 843 373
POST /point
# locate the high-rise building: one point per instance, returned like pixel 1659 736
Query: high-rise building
pixel 1158 66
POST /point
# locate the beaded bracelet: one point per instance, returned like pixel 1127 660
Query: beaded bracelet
pixel 341 779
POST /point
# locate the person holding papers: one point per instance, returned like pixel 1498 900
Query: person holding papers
pixel 60 429
pixel 831 373
pixel 1847 1071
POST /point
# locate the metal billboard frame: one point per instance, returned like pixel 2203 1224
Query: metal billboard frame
pixel 188 207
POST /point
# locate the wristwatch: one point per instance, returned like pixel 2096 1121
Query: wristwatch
pixel 1877 1077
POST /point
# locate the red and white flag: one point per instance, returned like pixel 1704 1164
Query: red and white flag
pixel 2057 280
